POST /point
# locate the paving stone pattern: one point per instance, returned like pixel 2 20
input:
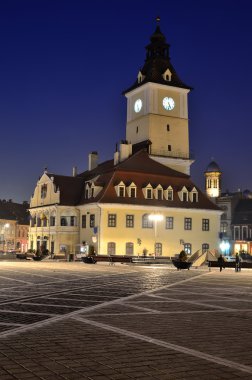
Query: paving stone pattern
pixel 77 321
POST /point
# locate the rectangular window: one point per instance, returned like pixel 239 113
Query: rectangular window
pixel 130 221
pixel 184 197
pixel 133 192
pixel 92 220
pixel 169 223
pixel 52 221
pixel 149 193
pixel 170 195
pixel 84 221
pixel 169 148
pixel 188 223
pixel 72 221
pixel 111 220
pixel 121 191
pixel 43 191
pixel 168 128
pixel 160 194
pixel 194 197
pixel 205 224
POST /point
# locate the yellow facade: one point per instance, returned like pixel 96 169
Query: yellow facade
pixel 171 239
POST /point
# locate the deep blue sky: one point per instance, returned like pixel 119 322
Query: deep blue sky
pixel 64 65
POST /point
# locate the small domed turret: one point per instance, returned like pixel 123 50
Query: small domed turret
pixel 213 180
pixel 213 167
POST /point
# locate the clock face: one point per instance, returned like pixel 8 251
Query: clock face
pixel 138 105
pixel 168 103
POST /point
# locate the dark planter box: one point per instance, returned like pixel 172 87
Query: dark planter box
pixel 181 264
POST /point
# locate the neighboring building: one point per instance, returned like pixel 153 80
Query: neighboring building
pixel 144 197
pixel 242 225
pixel 236 219
pixel 14 226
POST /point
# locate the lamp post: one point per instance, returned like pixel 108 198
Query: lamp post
pixel 155 218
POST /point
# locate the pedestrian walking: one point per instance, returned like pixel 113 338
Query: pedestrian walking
pixel 237 262
pixel 221 262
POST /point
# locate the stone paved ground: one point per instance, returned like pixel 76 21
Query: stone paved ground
pixel 75 321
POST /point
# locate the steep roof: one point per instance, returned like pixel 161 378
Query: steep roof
pixel 14 211
pixel 243 212
pixel 70 188
pixel 142 170
pixel 157 62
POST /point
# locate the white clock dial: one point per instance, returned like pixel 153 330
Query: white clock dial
pixel 138 105
pixel 168 103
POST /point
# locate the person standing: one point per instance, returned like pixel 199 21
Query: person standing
pixel 221 262
pixel 237 262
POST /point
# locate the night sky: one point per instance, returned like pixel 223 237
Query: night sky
pixel 64 65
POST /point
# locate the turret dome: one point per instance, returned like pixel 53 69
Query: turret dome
pixel 213 167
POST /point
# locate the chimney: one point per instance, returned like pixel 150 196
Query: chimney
pixel 116 158
pixel 92 160
pixel 74 171
pixel 125 150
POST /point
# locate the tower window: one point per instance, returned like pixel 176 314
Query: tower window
pixel 169 148
pixel 136 129
pixel 168 127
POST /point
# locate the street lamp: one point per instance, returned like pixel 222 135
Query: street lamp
pixel 155 218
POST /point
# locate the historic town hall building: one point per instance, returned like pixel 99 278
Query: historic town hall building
pixel 143 198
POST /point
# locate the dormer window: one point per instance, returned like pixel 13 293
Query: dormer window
pixel 194 195
pixel 43 191
pixel 148 191
pixel 167 75
pixel 183 194
pixel 158 192
pixel 120 189
pixel 168 193
pixel 132 190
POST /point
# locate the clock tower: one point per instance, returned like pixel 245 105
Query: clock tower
pixel 157 107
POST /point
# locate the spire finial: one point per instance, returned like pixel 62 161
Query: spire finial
pixel 158 20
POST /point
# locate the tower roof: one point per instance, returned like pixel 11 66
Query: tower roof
pixel 157 62
pixel 213 167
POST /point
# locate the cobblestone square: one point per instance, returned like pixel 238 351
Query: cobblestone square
pixel 75 321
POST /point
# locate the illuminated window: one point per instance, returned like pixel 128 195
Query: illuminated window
pixel 146 222
pixel 188 248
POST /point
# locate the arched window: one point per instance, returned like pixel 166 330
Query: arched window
pixel 146 222
pixel 129 248
pixel 111 248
